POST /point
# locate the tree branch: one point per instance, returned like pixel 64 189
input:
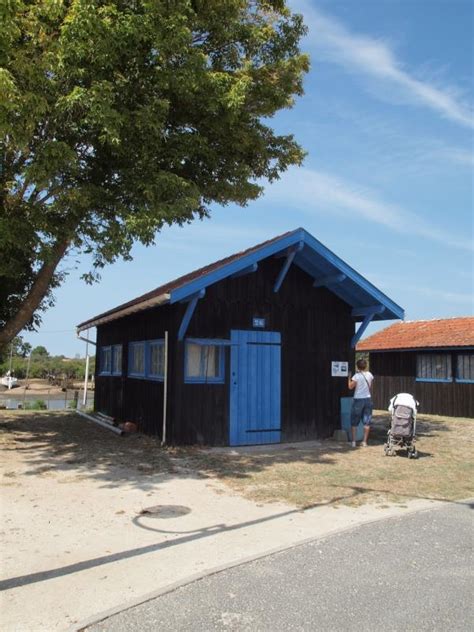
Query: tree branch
pixel 36 294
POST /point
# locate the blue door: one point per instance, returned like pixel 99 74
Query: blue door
pixel 255 387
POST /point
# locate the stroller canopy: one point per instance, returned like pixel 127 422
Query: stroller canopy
pixel 403 399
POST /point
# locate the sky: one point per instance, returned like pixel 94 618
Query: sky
pixel 387 184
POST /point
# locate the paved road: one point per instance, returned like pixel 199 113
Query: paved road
pixel 409 573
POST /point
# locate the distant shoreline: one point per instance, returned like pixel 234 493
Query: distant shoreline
pixel 41 389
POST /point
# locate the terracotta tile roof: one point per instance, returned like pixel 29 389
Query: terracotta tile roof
pixel 422 334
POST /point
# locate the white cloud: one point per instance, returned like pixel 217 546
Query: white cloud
pixel 316 192
pixel 391 144
pixel 374 58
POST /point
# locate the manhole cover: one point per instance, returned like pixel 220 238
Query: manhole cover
pixel 165 511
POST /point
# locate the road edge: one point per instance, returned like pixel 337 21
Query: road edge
pixel 106 614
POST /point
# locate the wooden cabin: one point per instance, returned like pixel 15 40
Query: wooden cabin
pixel 431 359
pixel 252 349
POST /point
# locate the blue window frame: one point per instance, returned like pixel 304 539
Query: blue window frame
pixel 156 359
pixel 105 361
pixel 117 360
pixel 465 367
pixel 136 359
pixel 111 360
pixel 204 361
pixel 433 367
pixel 146 359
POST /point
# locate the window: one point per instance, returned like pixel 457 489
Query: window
pixel 111 360
pixel 117 360
pixel 105 360
pixel 433 367
pixel 157 359
pixel 147 359
pixel 204 362
pixel 137 359
pixel 465 367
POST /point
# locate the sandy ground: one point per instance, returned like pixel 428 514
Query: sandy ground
pixel 75 541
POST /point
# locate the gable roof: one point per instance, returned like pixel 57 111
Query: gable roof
pixel 422 334
pixel 310 255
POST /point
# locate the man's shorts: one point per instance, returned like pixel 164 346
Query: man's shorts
pixel 361 411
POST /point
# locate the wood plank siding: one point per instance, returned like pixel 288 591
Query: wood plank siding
pixel 316 328
pixel 395 372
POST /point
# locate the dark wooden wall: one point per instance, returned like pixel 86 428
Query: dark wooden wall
pixel 395 372
pixel 134 399
pixel 315 325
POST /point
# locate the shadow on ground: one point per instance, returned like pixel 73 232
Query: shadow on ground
pixel 63 441
pixel 50 442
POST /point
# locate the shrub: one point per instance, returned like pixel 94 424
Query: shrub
pixel 38 404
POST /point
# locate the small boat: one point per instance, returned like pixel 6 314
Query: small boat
pixel 8 380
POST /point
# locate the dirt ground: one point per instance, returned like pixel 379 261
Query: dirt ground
pixel 91 521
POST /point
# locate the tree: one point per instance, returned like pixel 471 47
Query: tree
pixel 120 117
pixel 21 348
pixel 17 348
pixel 40 352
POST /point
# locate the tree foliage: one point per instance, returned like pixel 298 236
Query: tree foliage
pixel 47 367
pixel 119 117
pixel 17 348
pixel 38 363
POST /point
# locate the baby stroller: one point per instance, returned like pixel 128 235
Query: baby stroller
pixel 402 432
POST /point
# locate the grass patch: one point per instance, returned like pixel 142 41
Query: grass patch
pixel 336 474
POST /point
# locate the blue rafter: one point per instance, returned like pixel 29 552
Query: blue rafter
pixel 286 266
pixel 248 270
pixel 368 313
pixel 368 309
pixel 330 279
pixel 355 290
pixel 188 314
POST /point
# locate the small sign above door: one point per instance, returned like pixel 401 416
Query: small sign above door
pixel 258 322
pixel 339 369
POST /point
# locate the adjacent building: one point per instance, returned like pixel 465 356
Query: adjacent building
pixel 432 359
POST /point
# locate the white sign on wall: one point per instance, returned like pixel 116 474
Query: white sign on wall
pixel 339 369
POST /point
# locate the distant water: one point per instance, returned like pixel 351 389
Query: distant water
pixel 56 403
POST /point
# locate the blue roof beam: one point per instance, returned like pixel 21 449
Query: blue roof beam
pixel 368 313
pixel 367 310
pixel 249 270
pixel 363 326
pixel 291 254
pixel 188 314
pixel 330 279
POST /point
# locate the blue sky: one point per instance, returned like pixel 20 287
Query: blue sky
pixel 387 121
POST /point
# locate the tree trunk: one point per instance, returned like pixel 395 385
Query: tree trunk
pixel 35 295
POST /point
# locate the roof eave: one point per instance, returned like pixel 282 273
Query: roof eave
pixel 392 311
pixel 162 299
pixel 421 348
pixel 194 286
